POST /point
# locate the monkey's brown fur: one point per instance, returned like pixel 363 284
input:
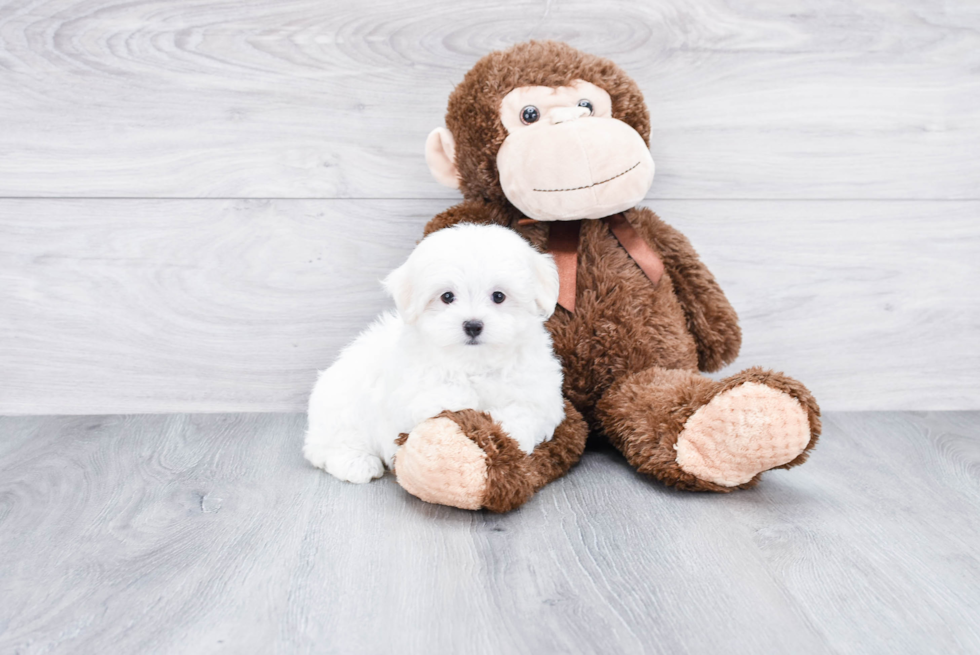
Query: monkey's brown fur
pixel 631 350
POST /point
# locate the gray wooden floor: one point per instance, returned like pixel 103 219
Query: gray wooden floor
pixel 208 533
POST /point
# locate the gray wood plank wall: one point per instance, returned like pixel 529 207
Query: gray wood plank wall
pixel 197 198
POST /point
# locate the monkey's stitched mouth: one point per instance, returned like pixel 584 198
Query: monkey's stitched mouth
pixel 589 186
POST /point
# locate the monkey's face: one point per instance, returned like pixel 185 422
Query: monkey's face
pixel 565 157
pixel 555 132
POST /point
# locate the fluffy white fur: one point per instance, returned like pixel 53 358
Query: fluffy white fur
pixel 414 363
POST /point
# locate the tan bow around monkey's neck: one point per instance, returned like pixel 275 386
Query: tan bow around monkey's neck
pixel 563 242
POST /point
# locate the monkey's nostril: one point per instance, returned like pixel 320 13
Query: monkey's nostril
pixel 473 328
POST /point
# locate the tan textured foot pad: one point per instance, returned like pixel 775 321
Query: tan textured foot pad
pixel 741 432
pixel 439 464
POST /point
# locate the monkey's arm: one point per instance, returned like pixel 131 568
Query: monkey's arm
pixel 710 317
pixel 467 212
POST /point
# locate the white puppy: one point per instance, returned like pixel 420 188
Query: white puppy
pixel 468 334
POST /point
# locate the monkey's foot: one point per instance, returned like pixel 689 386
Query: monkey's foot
pixel 463 459
pixel 439 464
pixel 743 431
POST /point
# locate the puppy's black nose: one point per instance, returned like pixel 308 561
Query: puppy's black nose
pixel 473 328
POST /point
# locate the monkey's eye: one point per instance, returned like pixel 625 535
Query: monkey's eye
pixel 587 104
pixel 498 297
pixel 530 114
pixel 447 297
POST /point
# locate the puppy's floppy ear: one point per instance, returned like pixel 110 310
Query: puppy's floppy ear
pixel 398 284
pixel 545 284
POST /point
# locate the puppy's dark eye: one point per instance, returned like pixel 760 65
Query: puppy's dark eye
pixel 530 114
pixel 587 104
pixel 498 297
pixel 447 297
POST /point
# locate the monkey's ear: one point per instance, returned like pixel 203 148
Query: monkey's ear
pixel 546 287
pixel 440 155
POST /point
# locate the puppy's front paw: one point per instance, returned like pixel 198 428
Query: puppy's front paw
pixel 348 465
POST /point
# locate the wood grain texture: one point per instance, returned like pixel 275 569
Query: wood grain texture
pixel 124 306
pixel 331 99
pixel 209 533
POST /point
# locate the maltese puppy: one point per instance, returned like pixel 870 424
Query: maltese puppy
pixel 468 334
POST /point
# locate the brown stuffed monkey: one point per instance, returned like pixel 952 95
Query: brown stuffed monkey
pixel 554 143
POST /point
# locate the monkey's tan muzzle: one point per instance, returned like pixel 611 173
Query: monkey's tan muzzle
pixel 570 167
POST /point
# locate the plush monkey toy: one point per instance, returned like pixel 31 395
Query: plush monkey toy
pixel 554 143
